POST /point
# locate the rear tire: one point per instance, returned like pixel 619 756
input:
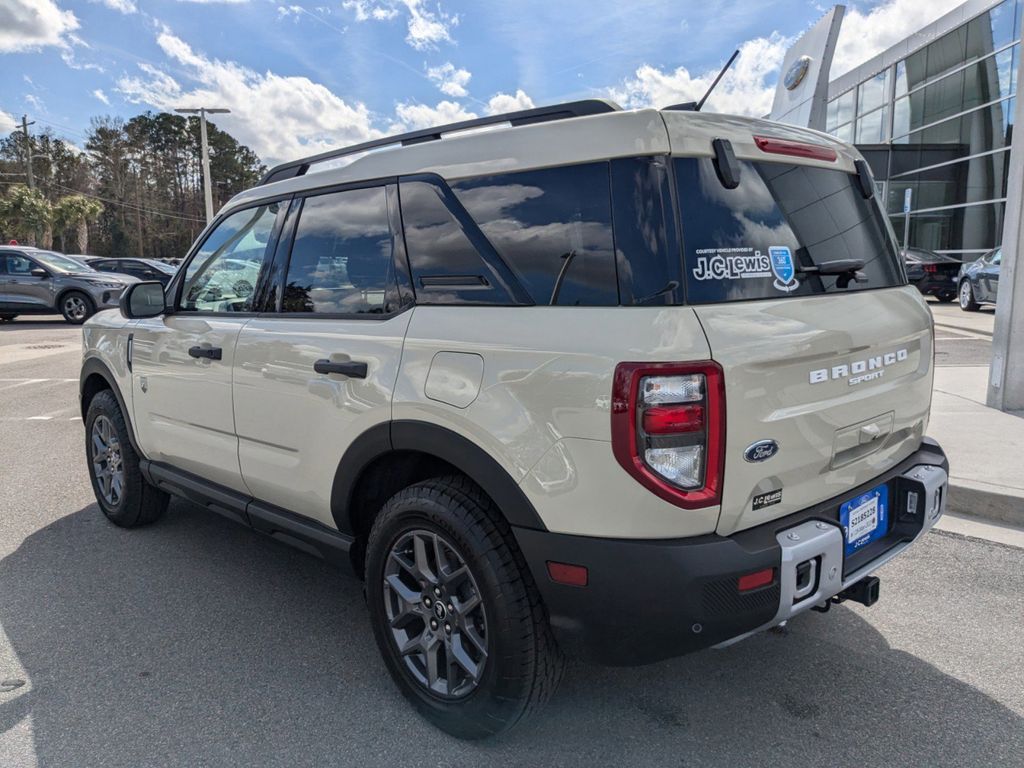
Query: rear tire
pixel 966 294
pixel 945 298
pixel 121 491
pixel 7 318
pixel 515 661
pixel 76 307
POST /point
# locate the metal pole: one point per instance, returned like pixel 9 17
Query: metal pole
pixel 906 231
pixel 207 191
pixel 28 150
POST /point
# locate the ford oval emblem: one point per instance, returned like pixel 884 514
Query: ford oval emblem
pixel 797 72
pixel 762 450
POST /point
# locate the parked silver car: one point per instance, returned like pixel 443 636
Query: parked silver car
pixel 38 282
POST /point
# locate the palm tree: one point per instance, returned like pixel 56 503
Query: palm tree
pixel 24 213
pixel 77 211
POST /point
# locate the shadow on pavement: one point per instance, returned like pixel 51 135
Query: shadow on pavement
pixel 196 642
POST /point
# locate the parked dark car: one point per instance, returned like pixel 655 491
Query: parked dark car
pixel 978 281
pixel 932 273
pixel 144 269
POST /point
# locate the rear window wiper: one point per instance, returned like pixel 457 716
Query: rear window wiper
pixel 847 269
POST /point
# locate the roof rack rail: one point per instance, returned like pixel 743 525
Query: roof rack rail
pixel 522 117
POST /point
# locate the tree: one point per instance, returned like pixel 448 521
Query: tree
pixel 76 211
pixel 24 213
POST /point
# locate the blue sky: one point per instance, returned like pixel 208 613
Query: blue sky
pixel 302 76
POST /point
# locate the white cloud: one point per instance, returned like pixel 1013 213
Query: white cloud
pixel 746 89
pixel 279 117
pixel 121 6
pixel 409 117
pixel 503 102
pixel 7 123
pixel 449 79
pixel 293 11
pixel 30 24
pixel 217 2
pixel 867 33
pixel 99 94
pixel 425 28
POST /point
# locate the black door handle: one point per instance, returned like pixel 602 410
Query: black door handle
pixel 351 369
pixel 210 353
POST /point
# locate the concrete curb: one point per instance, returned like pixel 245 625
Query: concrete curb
pixel 972 499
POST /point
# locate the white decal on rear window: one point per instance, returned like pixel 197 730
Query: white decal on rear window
pixel 730 264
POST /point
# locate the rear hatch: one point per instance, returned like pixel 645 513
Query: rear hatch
pixel 828 380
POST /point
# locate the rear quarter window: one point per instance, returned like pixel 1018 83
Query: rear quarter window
pixel 553 228
pixel 753 242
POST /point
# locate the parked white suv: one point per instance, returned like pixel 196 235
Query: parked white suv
pixel 636 383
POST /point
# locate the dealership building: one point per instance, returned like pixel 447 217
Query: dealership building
pixel 933 116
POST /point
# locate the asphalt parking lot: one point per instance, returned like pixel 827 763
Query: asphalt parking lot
pixel 197 642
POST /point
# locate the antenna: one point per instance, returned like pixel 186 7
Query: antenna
pixel 694 106
pixel 720 76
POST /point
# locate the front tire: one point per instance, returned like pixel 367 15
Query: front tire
pixel 966 294
pixel 121 491
pixel 76 307
pixel 455 612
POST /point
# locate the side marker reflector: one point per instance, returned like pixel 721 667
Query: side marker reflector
pixel 566 573
pixel 756 580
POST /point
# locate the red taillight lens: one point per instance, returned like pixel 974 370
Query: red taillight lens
pixel 668 429
pixel 930 268
pixel 755 580
pixel 795 149
pixel 567 573
pixel 673 419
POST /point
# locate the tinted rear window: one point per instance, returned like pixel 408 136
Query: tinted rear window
pixel 751 242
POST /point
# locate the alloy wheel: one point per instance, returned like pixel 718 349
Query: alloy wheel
pixel 965 294
pixel 435 614
pixel 107 466
pixel 74 307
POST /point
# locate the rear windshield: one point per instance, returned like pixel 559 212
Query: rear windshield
pixel 754 242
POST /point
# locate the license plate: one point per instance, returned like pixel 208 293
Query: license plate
pixel 865 518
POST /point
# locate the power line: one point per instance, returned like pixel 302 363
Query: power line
pixel 133 207
pixel 139 208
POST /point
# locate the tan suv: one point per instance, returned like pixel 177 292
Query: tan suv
pixel 629 382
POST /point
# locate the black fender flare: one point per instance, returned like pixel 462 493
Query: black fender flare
pixel 94 366
pixel 423 437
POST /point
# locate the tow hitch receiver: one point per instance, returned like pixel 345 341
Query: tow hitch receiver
pixel 864 592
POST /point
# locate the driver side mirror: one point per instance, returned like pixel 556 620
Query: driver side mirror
pixel 39 272
pixel 142 300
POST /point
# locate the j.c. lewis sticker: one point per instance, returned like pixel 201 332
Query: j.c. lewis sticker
pixel 767 499
pixel 731 264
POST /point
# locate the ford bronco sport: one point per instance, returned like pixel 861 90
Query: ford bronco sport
pixel 423 376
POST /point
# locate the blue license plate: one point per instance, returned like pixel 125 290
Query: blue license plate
pixel 865 518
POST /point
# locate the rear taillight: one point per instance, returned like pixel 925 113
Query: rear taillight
pixel 668 429
pixel 930 268
pixel 795 149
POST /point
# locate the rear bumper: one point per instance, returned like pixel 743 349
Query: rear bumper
pixel 647 600
pixel 938 285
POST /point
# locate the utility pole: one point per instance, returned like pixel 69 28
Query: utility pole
pixel 207 187
pixel 28 150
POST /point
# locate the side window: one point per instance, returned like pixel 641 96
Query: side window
pixel 19 265
pixel 553 228
pixel 222 275
pixel 997 258
pixel 447 267
pixel 342 259
pixel 646 239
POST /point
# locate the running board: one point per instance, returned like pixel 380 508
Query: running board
pixel 280 524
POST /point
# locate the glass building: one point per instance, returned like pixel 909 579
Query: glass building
pixel 935 122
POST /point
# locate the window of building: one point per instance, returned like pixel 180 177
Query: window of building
pixel 342 259
pixel 946 53
pixel 992 30
pixel 844 107
pixel 553 228
pixel 872 128
pixel 874 92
